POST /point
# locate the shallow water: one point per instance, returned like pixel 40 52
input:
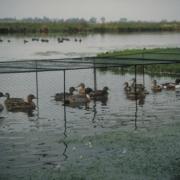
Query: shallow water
pixel 89 46
pixel 55 137
pixel 31 143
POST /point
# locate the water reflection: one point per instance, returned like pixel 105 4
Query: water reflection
pixel 65 135
pixel 94 113
pixel 136 114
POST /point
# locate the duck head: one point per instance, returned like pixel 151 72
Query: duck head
pixel 1 94
pixel 7 95
pixel 126 84
pixel 71 90
pixel 82 85
pixel 31 97
pixel 154 82
pixel 88 90
pixel 105 89
pixel 177 81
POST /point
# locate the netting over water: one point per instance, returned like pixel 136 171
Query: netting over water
pixel 146 58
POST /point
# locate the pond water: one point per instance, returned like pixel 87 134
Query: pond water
pixel 46 139
pixel 89 46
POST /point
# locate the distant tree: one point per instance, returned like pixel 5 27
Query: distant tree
pixel 164 21
pixel 46 19
pixel 93 20
pixel 123 20
pixel 103 19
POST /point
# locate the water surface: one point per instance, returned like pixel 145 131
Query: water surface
pixel 89 46
pixel 55 137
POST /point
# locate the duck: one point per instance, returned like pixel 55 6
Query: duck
pixel 139 93
pixel 155 87
pixel 25 41
pixel 82 89
pixel 60 40
pixel 44 40
pixel 78 99
pixel 88 90
pixel 127 88
pixel 60 96
pixel 177 81
pixel 100 94
pixel 18 104
pixel 168 86
pixel 172 86
pixel 139 87
pixel 1 106
pixel 135 88
pixel 35 39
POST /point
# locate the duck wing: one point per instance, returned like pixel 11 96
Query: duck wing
pixel 76 99
pixel 14 101
pixel 60 96
pixel 96 93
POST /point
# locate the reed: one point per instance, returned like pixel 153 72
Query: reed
pixel 86 27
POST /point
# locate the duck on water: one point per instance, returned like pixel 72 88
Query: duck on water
pixel 167 86
pixel 18 104
pixel 82 98
pixel 100 95
pixel 60 96
pixel 172 85
pixel 135 92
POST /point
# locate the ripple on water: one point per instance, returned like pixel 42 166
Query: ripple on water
pixel 31 143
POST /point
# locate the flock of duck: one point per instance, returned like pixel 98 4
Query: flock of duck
pixel 83 95
pixel 59 40
pixel 138 92
pixel 167 86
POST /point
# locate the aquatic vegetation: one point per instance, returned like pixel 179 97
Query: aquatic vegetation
pixel 156 53
pixel 19 26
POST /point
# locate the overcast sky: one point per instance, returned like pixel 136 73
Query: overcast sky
pixel 150 10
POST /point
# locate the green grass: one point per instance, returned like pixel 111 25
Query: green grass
pixel 157 53
pixel 86 27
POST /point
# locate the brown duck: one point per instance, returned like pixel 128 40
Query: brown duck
pixel 18 104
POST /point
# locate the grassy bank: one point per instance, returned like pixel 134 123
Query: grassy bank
pixel 157 53
pixel 86 27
